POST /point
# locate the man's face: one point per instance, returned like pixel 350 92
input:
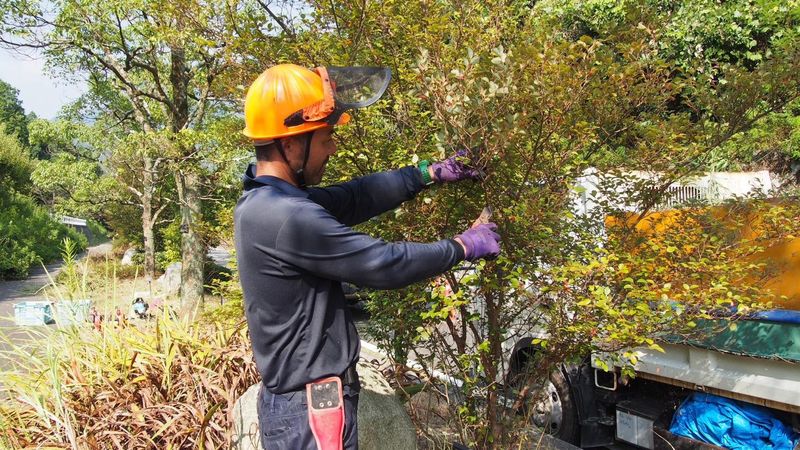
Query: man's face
pixel 322 147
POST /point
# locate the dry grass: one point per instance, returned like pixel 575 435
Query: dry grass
pixel 167 386
pixel 167 383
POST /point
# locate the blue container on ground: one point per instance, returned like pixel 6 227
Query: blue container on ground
pixel 71 312
pixel 33 313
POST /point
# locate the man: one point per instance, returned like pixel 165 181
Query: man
pixel 295 246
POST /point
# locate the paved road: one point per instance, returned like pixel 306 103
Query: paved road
pixel 11 293
pixel 29 289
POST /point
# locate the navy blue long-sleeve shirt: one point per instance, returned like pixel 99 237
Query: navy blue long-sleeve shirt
pixel 295 247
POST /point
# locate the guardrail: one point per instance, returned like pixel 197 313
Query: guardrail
pixel 74 221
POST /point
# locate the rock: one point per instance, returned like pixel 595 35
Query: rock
pixel 100 251
pixel 430 408
pixel 245 421
pixel 382 419
pixel 170 281
pixel 127 258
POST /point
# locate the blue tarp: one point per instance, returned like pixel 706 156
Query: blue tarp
pixel 779 315
pixel 732 424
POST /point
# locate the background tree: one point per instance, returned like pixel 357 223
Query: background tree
pixel 704 39
pixel 163 64
pixel 12 114
pixel 28 234
pixel 74 181
pixel 71 180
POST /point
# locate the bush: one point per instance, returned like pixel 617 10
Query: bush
pixel 99 232
pixel 15 165
pixel 213 272
pixel 15 259
pixel 28 236
pixel 126 272
pixel 118 246
pixel 171 245
pixel 138 258
pixel 227 287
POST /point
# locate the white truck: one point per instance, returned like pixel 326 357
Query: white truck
pixel 757 362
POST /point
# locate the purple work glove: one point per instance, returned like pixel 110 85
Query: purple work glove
pixel 451 169
pixel 481 241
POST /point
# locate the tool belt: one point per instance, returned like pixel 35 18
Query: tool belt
pixel 350 376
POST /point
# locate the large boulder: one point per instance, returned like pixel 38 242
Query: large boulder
pixel 245 420
pixel 101 250
pixel 127 258
pixel 170 281
pixel 382 420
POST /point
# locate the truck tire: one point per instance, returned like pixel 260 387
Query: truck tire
pixel 560 409
pixel 552 408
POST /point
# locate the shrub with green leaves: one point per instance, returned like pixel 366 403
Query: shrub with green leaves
pixel 30 236
pixel 544 105
pixel 15 165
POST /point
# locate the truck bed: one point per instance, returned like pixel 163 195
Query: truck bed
pixel 757 361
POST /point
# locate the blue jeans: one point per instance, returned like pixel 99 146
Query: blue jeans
pixel 283 420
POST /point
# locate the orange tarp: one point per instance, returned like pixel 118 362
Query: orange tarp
pixel 780 270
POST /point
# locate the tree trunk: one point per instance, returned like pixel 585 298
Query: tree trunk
pixel 193 250
pixel 148 221
pixel 491 360
pixel 192 247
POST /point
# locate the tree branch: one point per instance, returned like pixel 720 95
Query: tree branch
pixel 159 210
pixel 277 19
pixel 135 191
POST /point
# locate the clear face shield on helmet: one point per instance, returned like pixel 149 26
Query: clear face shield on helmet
pixel 344 89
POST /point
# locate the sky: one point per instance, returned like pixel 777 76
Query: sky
pixel 37 91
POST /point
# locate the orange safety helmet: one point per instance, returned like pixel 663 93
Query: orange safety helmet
pixel 276 94
pixel 288 100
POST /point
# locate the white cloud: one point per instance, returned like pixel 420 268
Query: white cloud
pixel 38 92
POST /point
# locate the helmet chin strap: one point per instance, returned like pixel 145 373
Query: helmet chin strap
pixel 299 174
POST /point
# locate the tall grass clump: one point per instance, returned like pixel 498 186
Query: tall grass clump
pixel 166 383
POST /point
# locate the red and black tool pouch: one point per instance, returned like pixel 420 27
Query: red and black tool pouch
pixel 326 412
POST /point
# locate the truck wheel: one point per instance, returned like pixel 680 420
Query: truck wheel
pixel 552 409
